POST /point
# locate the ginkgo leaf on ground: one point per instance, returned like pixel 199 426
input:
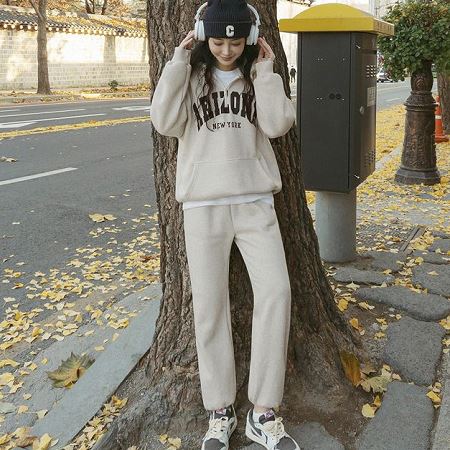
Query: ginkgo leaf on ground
pixel 376 384
pixel 41 413
pixel 368 410
pixel 43 443
pixel 8 362
pixel 101 217
pixel 351 366
pixel 6 159
pixel 70 370
pixel 342 304
pixel 24 438
pixel 434 397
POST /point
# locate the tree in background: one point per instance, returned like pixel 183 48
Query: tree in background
pixel 43 81
pixel 422 37
pixel 104 7
pixel 110 7
pixel 164 389
pixel 443 79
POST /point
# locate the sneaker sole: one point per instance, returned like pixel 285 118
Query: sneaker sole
pixel 255 438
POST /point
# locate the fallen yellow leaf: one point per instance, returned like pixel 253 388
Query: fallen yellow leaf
pixel 368 410
pixel 434 397
pixel 342 304
pixel 41 413
pixel 22 409
pixel 351 366
pixel 8 362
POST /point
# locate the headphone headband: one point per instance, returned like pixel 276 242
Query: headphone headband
pixel 197 15
pixel 252 39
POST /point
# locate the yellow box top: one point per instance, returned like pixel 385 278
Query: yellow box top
pixel 335 17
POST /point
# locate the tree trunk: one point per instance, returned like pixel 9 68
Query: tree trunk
pixel 168 398
pixel 104 7
pixel 43 80
pixel 444 95
pixel 90 7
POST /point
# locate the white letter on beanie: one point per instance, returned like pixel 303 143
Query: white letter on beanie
pixel 230 30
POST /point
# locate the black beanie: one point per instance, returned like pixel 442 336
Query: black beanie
pixel 227 19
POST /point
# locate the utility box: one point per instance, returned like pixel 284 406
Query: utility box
pixel 336 94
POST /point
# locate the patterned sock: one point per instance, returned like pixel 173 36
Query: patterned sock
pixel 221 412
pixel 263 417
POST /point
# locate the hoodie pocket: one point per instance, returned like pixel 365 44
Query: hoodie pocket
pixel 216 179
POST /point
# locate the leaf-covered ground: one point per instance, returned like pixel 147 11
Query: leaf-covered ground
pixel 387 214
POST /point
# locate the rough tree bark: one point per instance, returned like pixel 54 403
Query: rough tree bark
pixel 90 7
pixel 104 7
pixel 168 398
pixel 444 94
pixel 43 80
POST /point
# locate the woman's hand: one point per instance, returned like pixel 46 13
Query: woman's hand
pixel 265 52
pixel 188 41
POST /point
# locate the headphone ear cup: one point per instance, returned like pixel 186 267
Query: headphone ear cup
pixel 253 36
pixel 250 37
pixel 199 31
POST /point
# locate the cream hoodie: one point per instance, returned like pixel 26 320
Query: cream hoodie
pixel 221 152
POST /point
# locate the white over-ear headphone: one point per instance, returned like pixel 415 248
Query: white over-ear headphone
pixel 199 29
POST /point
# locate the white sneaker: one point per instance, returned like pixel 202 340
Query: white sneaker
pixel 269 432
pixel 221 426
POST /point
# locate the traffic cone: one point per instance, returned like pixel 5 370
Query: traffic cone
pixel 439 135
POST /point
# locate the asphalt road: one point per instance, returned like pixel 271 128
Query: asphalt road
pixel 26 117
pixel 389 94
pixel 106 170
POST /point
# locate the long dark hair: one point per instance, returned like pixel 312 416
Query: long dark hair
pixel 204 61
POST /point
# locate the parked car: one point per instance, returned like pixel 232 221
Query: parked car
pixel 383 76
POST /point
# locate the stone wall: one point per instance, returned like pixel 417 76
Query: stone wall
pixel 73 59
pixel 83 49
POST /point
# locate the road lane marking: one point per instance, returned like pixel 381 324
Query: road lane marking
pixel 2 125
pixel 42 112
pixel 393 88
pixel 38 175
pixel 133 108
pixel 73 126
pixel 15 125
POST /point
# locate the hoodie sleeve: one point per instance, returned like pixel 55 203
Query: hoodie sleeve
pixel 169 111
pixel 276 113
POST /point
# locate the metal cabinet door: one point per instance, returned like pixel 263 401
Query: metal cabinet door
pixel 323 109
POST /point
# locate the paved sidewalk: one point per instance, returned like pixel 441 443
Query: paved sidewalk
pixel 71 94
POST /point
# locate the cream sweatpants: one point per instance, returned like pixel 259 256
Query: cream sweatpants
pixel 209 234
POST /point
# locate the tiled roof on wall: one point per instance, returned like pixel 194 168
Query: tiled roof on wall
pixel 12 17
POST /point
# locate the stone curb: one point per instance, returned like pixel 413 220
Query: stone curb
pixel 82 402
pixel 441 437
pixel 33 99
